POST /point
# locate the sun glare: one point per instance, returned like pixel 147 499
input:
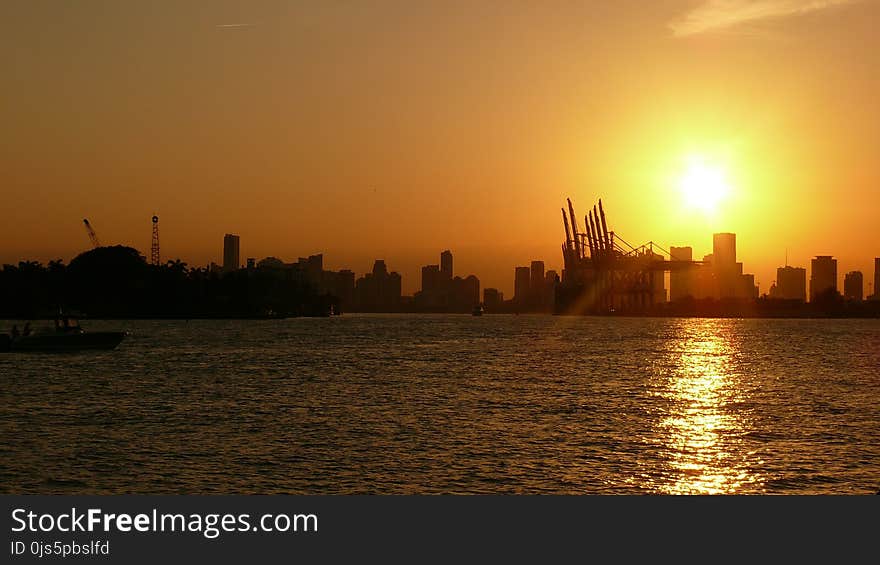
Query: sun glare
pixel 703 185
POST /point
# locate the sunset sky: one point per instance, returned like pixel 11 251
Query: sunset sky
pixel 397 129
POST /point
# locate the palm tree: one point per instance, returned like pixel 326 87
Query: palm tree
pixel 176 266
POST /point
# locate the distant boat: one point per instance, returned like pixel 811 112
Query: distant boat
pixel 66 336
pixel 477 311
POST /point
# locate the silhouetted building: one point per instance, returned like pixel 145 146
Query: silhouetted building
pixel 341 285
pixel 313 267
pixel 465 293
pixel 537 275
pixel 727 271
pixel 441 292
pixel 658 288
pixel 378 291
pixel 681 281
pixel 853 286
pixel 727 280
pixel 749 288
pixel 823 275
pixel 230 252
pixel 536 285
pixel 251 263
pixel 446 264
pixel 431 278
pixel 876 295
pixel 551 281
pixel 791 284
pixel 521 284
pixel 493 299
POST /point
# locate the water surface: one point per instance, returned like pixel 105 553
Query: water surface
pixel 450 404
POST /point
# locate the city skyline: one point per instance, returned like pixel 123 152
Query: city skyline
pixel 790 282
pixel 282 133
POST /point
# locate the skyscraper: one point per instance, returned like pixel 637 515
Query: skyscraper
pixel 727 275
pixel 492 299
pixel 536 283
pixel 230 252
pixel 537 275
pixel 876 295
pixel 681 281
pixel 430 278
pixel 724 250
pixel 823 275
pixel 521 285
pixel 791 283
pixel 446 264
pixel 853 286
pixel 379 290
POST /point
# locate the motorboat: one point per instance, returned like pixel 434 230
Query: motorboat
pixel 477 311
pixel 67 335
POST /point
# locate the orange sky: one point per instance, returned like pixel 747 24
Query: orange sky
pixel 395 130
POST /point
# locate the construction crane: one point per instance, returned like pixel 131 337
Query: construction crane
pixel 93 237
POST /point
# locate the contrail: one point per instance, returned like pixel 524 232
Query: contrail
pixel 226 26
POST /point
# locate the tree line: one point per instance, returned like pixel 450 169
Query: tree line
pixel 117 282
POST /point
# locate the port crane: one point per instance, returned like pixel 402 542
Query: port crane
pixel 93 237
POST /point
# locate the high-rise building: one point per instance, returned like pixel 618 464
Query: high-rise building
pixel 551 281
pixel 536 284
pixel 876 295
pixel 749 288
pixel 681 281
pixel 853 286
pixel 791 283
pixel 446 264
pixel 492 299
pixel 312 268
pixel 724 266
pixel 465 292
pixel 430 278
pixel 521 284
pixel 379 290
pixel 342 286
pixel 230 252
pixel 823 275
pixel 724 250
pixel 537 275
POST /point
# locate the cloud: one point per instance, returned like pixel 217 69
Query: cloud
pixel 714 15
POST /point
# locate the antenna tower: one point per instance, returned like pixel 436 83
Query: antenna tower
pixel 154 249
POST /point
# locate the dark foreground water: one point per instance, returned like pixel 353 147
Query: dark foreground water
pixel 450 404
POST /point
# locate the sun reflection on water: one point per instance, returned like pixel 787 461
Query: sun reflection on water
pixel 701 433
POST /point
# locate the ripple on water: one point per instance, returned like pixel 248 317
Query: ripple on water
pixel 439 404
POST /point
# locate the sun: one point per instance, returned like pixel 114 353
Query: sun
pixel 703 185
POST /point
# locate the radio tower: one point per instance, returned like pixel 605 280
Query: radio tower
pixel 154 249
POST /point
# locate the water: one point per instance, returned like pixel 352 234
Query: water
pixel 450 404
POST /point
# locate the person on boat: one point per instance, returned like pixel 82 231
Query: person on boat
pixel 27 329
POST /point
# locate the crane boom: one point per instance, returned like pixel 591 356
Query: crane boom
pixel 568 242
pixel 93 237
pixel 574 230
